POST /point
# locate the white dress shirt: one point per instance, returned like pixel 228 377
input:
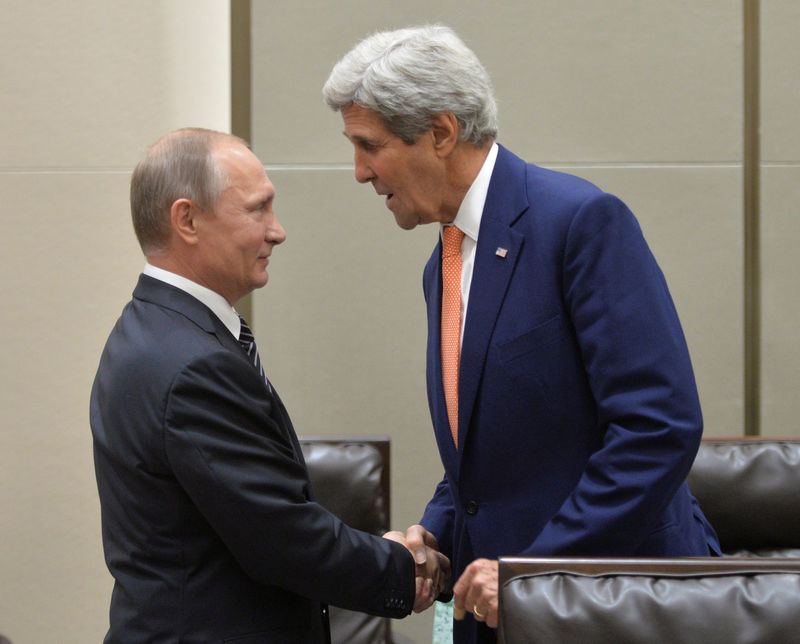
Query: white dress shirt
pixel 468 220
pixel 213 300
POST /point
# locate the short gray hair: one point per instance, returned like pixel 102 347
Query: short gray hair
pixel 179 165
pixel 410 75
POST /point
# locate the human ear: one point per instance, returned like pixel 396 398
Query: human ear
pixel 183 215
pixel 445 132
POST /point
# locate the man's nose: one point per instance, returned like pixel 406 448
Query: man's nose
pixel 363 171
pixel 275 232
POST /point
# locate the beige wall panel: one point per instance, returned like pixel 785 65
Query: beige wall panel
pixel 780 80
pixel 331 283
pixel 343 320
pixel 780 299
pixel 576 79
pixel 691 217
pixel 341 327
pixel 780 225
pixel 70 262
pixel 85 88
pixel 94 85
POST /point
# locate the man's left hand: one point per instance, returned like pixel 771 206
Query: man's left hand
pixel 476 591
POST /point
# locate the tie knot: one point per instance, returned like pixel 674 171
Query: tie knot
pixel 451 240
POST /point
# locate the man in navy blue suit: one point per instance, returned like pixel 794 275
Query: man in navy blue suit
pixel 210 527
pixel 573 418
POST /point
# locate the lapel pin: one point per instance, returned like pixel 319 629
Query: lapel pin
pixel 501 252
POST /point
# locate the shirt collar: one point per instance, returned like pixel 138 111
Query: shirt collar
pixel 468 218
pixel 213 300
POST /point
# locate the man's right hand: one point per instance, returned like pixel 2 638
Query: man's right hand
pixel 433 568
pixel 423 546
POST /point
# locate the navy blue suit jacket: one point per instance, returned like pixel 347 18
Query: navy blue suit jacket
pixel 578 412
pixel 209 525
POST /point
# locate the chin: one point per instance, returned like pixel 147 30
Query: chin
pixel 261 281
pixel 406 224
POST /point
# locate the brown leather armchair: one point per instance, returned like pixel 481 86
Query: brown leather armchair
pixel 749 489
pixel 609 601
pixel 351 478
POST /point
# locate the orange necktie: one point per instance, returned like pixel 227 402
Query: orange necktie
pixel 451 321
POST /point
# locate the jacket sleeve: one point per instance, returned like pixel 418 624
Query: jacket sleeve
pixel 438 517
pixel 240 470
pixel 640 375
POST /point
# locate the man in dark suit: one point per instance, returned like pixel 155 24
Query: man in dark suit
pixel 559 381
pixel 210 527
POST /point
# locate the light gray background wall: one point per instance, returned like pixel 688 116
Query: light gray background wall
pixel 643 97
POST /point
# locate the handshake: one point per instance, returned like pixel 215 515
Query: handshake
pixel 433 568
pixel 475 591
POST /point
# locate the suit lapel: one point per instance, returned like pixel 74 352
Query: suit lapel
pixel 168 296
pixel 496 256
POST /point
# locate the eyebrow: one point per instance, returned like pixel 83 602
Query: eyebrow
pixel 357 138
pixel 262 199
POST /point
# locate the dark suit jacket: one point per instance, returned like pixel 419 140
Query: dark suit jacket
pixel 578 411
pixel 209 525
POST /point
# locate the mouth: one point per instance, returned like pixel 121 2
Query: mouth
pixel 382 192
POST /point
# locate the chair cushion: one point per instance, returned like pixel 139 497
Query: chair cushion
pixel 729 607
pixel 346 477
pixel 346 480
pixel 750 492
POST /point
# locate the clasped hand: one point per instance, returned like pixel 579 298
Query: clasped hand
pixel 433 568
pixel 476 590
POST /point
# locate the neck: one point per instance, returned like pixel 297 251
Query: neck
pixel 172 264
pixel 463 166
pixel 175 264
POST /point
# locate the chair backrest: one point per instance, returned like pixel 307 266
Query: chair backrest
pixel 749 489
pixel 351 478
pixel 604 601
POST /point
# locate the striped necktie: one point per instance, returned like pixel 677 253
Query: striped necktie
pixel 248 342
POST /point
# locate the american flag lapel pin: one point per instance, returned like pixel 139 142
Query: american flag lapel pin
pixel 501 252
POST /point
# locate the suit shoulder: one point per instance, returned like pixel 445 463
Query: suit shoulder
pixel 559 197
pixel 560 187
pixel 154 343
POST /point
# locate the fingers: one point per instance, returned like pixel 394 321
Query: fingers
pixel 444 563
pixel 417 539
pixel 432 567
pixel 425 594
pixel 476 592
pixel 436 568
pixel 435 577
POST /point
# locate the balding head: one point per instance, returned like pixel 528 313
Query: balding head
pixel 179 165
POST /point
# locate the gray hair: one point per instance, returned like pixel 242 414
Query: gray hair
pixel 179 165
pixel 410 75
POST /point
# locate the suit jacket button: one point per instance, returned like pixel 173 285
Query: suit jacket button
pixel 472 507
